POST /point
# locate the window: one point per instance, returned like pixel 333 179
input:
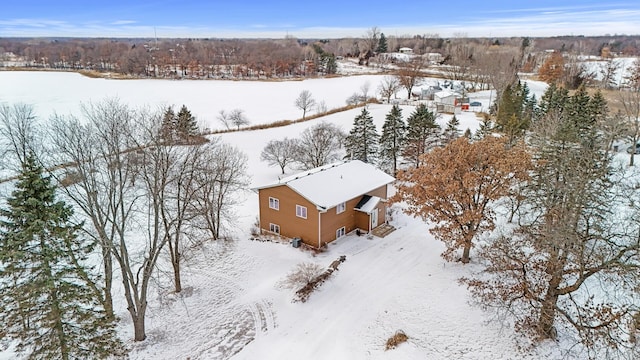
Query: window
pixel 341 208
pixel 340 232
pixel 274 203
pixel 274 228
pixel 301 211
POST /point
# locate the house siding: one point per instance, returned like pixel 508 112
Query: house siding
pixel 290 225
pixel 307 229
pixel 350 218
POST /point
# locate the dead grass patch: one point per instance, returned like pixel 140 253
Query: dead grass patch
pixel 398 338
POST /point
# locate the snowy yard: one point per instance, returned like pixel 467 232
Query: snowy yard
pixel 231 308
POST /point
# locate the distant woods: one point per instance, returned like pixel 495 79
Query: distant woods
pixel 273 58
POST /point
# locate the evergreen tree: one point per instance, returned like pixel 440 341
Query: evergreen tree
pixel 382 44
pixel 186 126
pixel 515 111
pixel 169 123
pixel 49 303
pixel 451 132
pixel 362 141
pixel 392 140
pixel 486 128
pixel 422 134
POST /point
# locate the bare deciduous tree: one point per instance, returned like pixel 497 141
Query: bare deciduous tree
pixel 96 148
pixel 305 102
pixel 388 87
pixel 410 74
pixel 238 118
pixel 18 134
pixel 319 145
pixel 279 152
pixel 222 173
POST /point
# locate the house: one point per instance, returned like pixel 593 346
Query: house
pixel 447 101
pixel 405 50
pixel 323 204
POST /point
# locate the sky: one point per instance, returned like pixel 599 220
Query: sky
pixel 315 19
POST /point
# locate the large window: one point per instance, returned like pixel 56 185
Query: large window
pixel 274 203
pixel 301 211
pixel 274 228
pixel 340 232
pixel 341 208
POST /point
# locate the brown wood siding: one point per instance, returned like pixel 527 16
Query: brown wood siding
pixel 350 219
pixel 290 225
pixel 307 229
pixel 362 220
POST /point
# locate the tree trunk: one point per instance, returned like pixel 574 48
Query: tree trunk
pixel 547 316
pixel 465 253
pixel 108 281
pixel 138 327
pixel 548 310
pixel 176 273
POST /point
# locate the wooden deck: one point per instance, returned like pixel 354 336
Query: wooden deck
pixel 383 230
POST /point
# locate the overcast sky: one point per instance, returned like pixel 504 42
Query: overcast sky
pixel 315 19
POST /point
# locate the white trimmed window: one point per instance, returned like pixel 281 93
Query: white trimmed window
pixel 274 228
pixel 340 232
pixel 301 211
pixel 274 203
pixel 341 208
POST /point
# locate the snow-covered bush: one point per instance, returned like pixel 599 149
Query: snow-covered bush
pixel 301 275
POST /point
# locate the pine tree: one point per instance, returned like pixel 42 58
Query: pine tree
pixel 452 131
pixel 486 128
pixel 392 140
pixel 49 303
pixel 422 134
pixel 382 44
pixel 168 127
pixel 362 141
pixel 515 111
pixel 186 126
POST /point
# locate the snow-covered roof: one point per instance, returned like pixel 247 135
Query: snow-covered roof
pixel 330 185
pixel 370 203
pixel 445 93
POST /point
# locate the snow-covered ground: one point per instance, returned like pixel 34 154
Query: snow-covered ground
pixel 231 307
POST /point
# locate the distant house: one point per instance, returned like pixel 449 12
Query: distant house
pixel 405 50
pixel 427 93
pixel 323 204
pixel 446 101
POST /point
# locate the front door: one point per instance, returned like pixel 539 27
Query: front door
pixel 374 219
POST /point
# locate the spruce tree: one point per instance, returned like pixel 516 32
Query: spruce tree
pixel 168 127
pixel 515 111
pixel 362 141
pixel 422 134
pixel 452 131
pixel 392 140
pixel 382 44
pixel 186 126
pixel 49 303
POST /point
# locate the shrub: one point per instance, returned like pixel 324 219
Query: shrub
pixel 398 338
pixel 301 275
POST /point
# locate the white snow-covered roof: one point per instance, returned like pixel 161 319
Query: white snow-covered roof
pixel 371 204
pixel 330 185
pixel 445 94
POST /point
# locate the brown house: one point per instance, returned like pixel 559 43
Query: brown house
pixel 325 203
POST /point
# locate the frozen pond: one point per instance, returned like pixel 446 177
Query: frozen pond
pixel 262 101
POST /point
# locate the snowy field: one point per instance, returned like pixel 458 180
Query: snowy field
pixel 231 306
